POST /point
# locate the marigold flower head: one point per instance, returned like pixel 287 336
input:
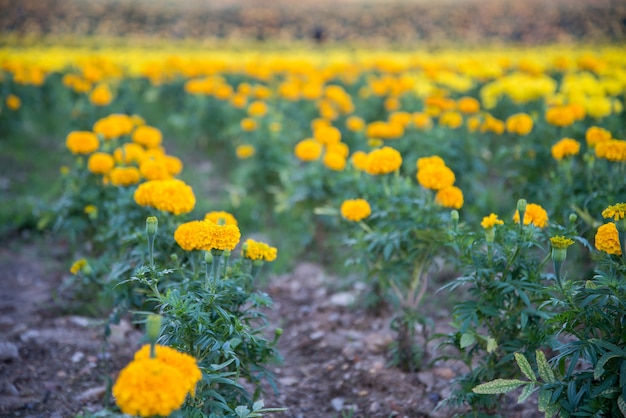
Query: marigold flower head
pixel 129 153
pixel 194 235
pixel 564 148
pixel 114 126
pixel 435 177
pixel 254 250
pixel 327 134
pixel 491 124
pixel 612 150
pixel 520 124
pixel 491 221
pixel 561 242
pixel 124 176
pixel 78 265
pixel 100 163
pixel 422 121
pixel 355 210
pixel 82 142
pixel 560 116
pixel 245 151
pixel 468 105
pixel 334 161
pixel 221 217
pixel 101 95
pixel 148 136
pixel 13 102
pixel 615 212
pixel 607 239
pixel 426 161
pixel 450 197
pixel 355 124
pixel 534 214
pixel 451 119
pixel 595 135
pixel 149 387
pixel 384 160
pixel 174 164
pixel 173 196
pixel 308 150
pixel 257 109
pixel 359 160
pixel 248 124
pixel 224 237
pixel 402 119
pixel 154 169
pixel 182 362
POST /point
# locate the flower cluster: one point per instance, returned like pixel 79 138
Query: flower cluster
pixel 564 148
pixel 173 196
pixel 207 235
pixel 434 174
pixel 384 160
pixel 254 250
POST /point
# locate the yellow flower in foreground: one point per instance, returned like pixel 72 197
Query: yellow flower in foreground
pixel 194 235
pixel 564 148
pixel 491 221
pixel 308 150
pixel 82 142
pixel 148 136
pixel 535 214
pixel 124 176
pixel 254 250
pixel 182 362
pixel 560 242
pixel 432 160
pixel 327 134
pixel 450 197
pixel 607 239
pixel 220 217
pixel 384 160
pixel 355 209
pixel 595 135
pixel 436 177
pixel 13 102
pixel 245 151
pixel 174 164
pixel 173 196
pixel 612 150
pixel 100 163
pixel 520 124
pixel 101 95
pixel 615 212
pixel 224 237
pixel 149 387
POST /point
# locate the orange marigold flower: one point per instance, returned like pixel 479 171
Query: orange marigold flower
pixel 257 109
pixel 520 124
pixel 173 196
pixel 245 151
pixel 124 176
pixel 114 126
pixel 100 163
pixel 607 239
pixel 534 214
pixel 147 136
pixel 359 160
pixel 355 124
pixel 468 105
pixel 491 221
pixel 435 177
pixel 248 124
pixel 355 210
pixel 426 161
pixel 451 119
pixel 561 116
pixel 182 362
pixel 174 164
pixel 564 148
pixel 334 161
pixel 308 150
pixel 340 148
pixel 422 121
pixel 595 135
pixel 154 169
pixel 254 250
pixel 615 212
pixel 194 235
pixel 327 134
pixel 612 150
pixel 101 95
pixel 450 197
pixel 224 237
pixel 221 217
pixel 383 160
pixel 129 153
pixel 82 142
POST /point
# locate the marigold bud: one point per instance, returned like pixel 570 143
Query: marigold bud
pixel 152 224
pixel 153 328
pixel 521 208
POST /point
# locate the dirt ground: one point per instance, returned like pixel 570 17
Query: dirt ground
pixel 334 355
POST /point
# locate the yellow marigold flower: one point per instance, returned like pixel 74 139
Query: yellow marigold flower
pixel 262 92
pixel 319 122
pixel 182 362
pixel 224 237
pixel 450 197
pixel 239 100
pixel 124 176
pixel 13 102
pixel 422 121
pixel 78 265
pixel 491 221
pixel 534 214
pixel 100 163
pixel 114 126
pixel 257 109
pixel 154 169
pixel 82 142
pixel 384 130
pixel 468 105
pixel 101 95
pixel 561 242
pixel 355 209
pixel 520 124
pixel 340 148
pixel 174 164
pixel 173 196
pixel 308 150
pixel 595 135
pixel 245 151
pixel 148 136
pixel 194 235
pixel 221 217
pixel 435 177
pixel 565 148
pixel 327 135
pixel 491 124
pixel 334 161
pixel 149 387
pixel 400 118
pixel 248 124
pixel 359 160
pixel 561 116
pixel 615 212
pixel 355 124
pixel 612 150
pixel 383 161
pixel 432 160
pixel 129 153
pixel 607 239
pixel 451 119
pixel 254 250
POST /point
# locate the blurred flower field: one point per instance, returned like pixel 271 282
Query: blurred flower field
pixel 184 176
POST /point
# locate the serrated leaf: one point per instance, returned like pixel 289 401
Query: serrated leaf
pixel 526 392
pixel 492 345
pixel 545 371
pixel 467 339
pixel 544 399
pixel 524 366
pixel 498 386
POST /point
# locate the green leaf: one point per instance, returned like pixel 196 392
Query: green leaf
pixel 599 370
pixel 545 371
pixel 498 386
pixel 621 404
pixel 525 366
pixel 544 399
pixel 467 339
pixel 492 345
pixel 526 392
pixel 551 410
